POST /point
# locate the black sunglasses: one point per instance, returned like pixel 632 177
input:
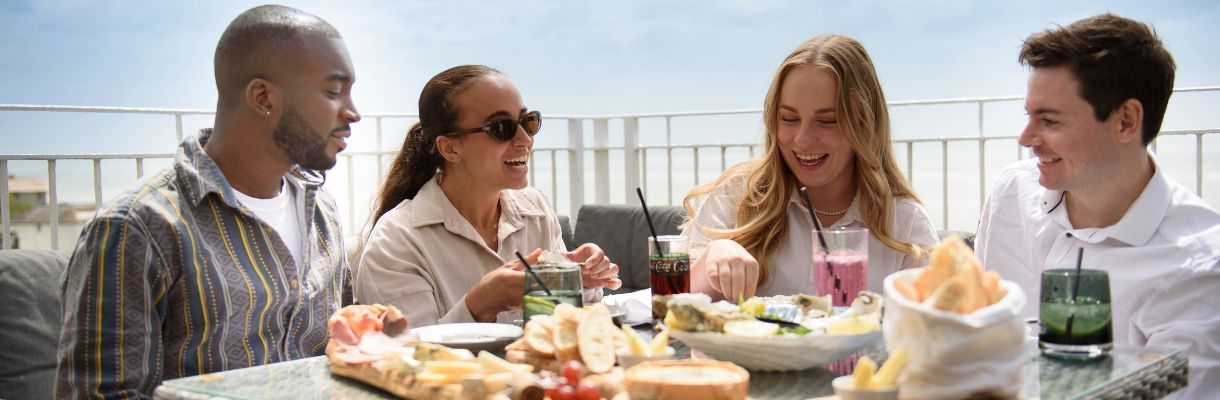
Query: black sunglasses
pixel 504 129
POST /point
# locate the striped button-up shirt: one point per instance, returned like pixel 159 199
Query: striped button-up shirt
pixel 175 278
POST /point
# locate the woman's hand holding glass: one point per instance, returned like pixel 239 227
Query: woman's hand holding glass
pixel 499 290
pixel 598 271
pixel 730 269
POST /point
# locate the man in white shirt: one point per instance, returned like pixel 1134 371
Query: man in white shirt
pixel 1097 93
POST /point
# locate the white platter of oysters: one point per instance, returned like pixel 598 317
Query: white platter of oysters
pixel 778 333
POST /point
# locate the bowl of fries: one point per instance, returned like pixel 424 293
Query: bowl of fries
pixel 637 350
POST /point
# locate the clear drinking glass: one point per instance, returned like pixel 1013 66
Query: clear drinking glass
pixel 840 267
pixel 669 270
pixel 1074 318
pixel 563 282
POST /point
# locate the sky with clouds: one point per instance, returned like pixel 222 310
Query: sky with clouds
pixel 567 57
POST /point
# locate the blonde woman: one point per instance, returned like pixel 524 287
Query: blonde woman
pixel 827 129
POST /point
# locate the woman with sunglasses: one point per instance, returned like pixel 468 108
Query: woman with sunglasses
pixel 456 208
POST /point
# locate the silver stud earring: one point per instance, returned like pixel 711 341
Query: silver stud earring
pixel 268 113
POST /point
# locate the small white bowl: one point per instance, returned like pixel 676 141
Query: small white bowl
pixel 630 360
pixel 845 389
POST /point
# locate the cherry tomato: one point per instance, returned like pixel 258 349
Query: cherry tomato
pixel 588 391
pixel 565 393
pixel 573 370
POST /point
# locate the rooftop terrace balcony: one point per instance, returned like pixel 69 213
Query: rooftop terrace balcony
pixel 581 159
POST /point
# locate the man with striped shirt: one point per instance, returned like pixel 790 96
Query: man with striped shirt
pixel 233 256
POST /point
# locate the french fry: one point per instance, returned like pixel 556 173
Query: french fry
pixel 635 344
pixel 863 377
pixel 887 375
pixel 658 344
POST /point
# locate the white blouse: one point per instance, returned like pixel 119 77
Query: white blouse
pixel 791 265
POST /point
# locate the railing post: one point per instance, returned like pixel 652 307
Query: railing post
pixel 601 160
pixel 351 196
pixel 631 155
pixel 178 126
pixel 982 160
pixel 54 199
pixel 4 244
pixel 380 165
pixel 554 182
pixel 1199 164
pixel 669 161
pixel 576 165
pixel 97 183
pixel 944 183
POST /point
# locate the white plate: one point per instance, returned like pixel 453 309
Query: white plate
pixel 781 353
pixel 470 336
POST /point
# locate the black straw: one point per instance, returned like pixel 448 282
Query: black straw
pixel 1075 292
pixel 817 226
pixel 531 273
pixel 651 228
pixel 1076 284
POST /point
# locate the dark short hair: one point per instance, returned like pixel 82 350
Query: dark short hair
pixel 262 41
pixel 1114 59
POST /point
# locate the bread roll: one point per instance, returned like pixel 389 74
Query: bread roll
pixel 687 379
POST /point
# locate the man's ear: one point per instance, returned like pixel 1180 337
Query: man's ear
pixel 1130 116
pixel 450 148
pixel 262 97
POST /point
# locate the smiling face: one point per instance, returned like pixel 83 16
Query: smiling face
pixel 809 134
pixel 318 104
pixel 1075 151
pixel 499 164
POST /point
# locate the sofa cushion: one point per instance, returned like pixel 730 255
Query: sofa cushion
pixel 29 321
pixel 565 230
pixel 622 232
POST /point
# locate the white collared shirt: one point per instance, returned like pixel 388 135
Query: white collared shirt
pixel 1163 258
pixel 424 257
pixel 791 265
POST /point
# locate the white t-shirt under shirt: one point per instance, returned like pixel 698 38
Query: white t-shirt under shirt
pixel 791 266
pixel 280 212
pixel 1163 258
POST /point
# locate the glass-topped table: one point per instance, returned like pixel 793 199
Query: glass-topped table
pixel 1127 373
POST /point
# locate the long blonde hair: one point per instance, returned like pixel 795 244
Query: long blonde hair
pixel 761 220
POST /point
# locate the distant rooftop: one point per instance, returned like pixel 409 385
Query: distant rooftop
pixel 26 185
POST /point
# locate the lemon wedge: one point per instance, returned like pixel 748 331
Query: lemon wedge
pixel 855 325
pixel 750 328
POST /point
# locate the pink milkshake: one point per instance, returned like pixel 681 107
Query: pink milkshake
pixel 842 275
pixel 840 263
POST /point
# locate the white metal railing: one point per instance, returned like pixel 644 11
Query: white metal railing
pixel 635 157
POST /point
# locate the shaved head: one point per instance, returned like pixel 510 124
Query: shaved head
pixel 263 43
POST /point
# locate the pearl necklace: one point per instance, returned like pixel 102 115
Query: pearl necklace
pixel 832 213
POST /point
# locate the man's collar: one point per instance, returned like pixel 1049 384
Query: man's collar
pixel 1136 226
pixel 201 175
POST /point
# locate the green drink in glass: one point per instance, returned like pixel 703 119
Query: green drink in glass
pixel 560 284
pixel 1075 314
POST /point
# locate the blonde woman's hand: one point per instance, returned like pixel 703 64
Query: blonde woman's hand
pixel 597 270
pixel 499 290
pixel 730 269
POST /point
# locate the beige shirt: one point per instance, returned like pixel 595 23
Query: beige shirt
pixel 791 265
pixel 423 256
